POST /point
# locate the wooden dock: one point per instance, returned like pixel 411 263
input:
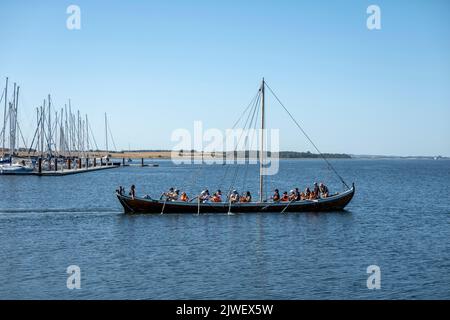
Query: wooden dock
pixel 66 172
pixel 76 166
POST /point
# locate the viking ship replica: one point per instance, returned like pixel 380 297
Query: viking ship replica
pixel 334 202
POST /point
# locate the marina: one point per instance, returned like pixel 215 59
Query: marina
pixel 62 143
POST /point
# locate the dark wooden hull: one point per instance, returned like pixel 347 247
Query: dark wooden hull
pixel 140 205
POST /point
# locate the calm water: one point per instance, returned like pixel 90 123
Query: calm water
pixel 398 220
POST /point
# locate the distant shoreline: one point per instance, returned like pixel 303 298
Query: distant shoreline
pixel 286 155
pixel 168 154
pixel 165 154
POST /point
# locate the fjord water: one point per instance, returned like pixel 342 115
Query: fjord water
pixel 398 220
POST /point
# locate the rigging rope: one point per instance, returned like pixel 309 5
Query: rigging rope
pixel 253 103
pixel 252 113
pixel 307 137
pixel 247 163
pixel 112 138
pixel 38 128
pixel 21 135
pixel 92 135
pixel 3 94
pixel 195 172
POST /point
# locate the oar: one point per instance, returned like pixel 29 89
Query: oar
pixel 287 206
pixel 193 199
pixel 270 203
pixel 198 210
pixel 162 211
pixel 229 207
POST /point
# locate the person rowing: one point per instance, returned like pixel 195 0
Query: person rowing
pixel 316 189
pixel 174 196
pixel 307 194
pixel 246 197
pixel 184 197
pixel 293 195
pixel 167 194
pixel 217 197
pixel 297 195
pixel 285 197
pixel 204 196
pixel 234 196
pixel 276 196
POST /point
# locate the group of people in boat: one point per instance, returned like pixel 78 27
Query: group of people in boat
pixel 233 197
pixel 205 196
pixel 173 194
pixel 317 192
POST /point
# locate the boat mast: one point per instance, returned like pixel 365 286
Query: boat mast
pixel 70 128
pixel 106 134
pixel 66 129
pixel 87 136
pixel 16 122
pixel 12 133
pixel 37 131
pixel 42 134
pixel 62 135
pixel 78 135
pixel 261 155
pixel 49 140
pixel 4 116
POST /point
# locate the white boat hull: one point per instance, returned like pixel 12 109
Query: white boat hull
pixel 15 170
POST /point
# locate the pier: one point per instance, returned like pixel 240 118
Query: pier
pixel 65 172
pixel 72 166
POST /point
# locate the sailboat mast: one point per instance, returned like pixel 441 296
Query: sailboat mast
pixel 12 133
pixel 16 135
pixel 261 155
pixel 49 142
pixel 4 116
pixel 106 134
pixel 42 135
pixel 87 136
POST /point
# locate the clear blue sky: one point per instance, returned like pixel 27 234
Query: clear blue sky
pixel 155 66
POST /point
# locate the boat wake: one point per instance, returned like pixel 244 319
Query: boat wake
pixel 60 210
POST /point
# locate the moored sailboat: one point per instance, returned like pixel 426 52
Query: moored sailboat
pixel 15 169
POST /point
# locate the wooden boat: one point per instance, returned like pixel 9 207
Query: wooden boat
pixel 335 202
pixel 141 205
